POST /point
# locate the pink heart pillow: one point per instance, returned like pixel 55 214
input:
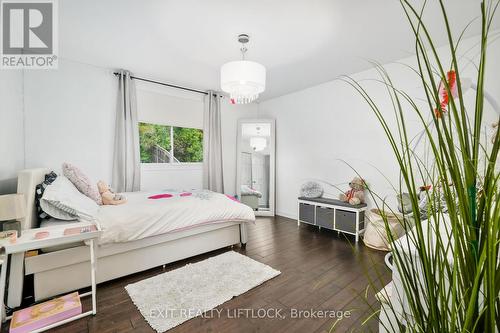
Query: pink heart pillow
pixel 160 196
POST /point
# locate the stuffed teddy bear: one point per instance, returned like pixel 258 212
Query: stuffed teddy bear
pixel 108 196
pixel 356 195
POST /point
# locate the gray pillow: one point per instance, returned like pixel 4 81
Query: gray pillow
pixel 58 210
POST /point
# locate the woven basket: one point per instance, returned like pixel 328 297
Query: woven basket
pixel 376 236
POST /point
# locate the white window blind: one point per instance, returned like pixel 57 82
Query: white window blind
pixel 167 106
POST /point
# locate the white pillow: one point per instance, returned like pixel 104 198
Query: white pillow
pixel 62 200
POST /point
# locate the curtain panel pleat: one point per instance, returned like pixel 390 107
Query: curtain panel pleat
pixel 212 144
pixel 126 157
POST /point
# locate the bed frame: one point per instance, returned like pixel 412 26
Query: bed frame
pixel 66 270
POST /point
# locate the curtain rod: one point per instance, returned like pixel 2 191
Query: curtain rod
pixel 166 84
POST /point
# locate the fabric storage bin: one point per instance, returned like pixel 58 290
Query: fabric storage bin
pixel 306 213
pixel 345 221
pixel 324 217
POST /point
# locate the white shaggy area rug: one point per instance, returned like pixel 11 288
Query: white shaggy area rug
pixel 171 298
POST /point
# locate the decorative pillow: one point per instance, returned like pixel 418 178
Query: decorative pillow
pixel 82 182
pixel 62 200
pixel 311 190
pixel 39 189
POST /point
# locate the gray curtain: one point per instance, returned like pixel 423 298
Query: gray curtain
pixel 126 158
pixel 212 144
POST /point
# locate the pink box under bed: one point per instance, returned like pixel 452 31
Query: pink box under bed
pixel 46 313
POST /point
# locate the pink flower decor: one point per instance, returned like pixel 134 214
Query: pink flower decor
pixel 168 195
pixel 444 99
pixel 160 196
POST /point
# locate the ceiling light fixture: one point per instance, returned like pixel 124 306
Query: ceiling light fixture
pixel 243 80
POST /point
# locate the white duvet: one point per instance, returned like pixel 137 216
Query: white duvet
pixel 142 216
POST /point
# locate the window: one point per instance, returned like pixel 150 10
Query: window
pixel 169 144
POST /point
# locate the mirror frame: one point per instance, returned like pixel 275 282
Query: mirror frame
pixel 272 162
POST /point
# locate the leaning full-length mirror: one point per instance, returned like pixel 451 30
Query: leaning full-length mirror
pixel 255 166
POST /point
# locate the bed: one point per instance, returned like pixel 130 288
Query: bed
pixel 120 252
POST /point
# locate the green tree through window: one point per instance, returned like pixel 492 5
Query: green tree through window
pixel 188 144
pixel 155 144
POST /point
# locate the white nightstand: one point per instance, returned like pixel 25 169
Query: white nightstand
pixel 27 242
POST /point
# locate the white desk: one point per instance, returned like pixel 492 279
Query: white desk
pixel 27 242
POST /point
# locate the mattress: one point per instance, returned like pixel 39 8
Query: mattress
pixel 147 214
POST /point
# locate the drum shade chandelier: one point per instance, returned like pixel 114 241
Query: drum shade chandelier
pixel 243 80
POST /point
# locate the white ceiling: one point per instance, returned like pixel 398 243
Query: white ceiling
pixel 301 42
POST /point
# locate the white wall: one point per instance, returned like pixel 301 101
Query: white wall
pixel 322 128
pixel 171 176
pixel 69 116
pixel 11 129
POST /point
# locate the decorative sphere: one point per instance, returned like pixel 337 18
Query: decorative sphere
pixel 311 190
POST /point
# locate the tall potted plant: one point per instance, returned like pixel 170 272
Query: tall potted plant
pixel 451 283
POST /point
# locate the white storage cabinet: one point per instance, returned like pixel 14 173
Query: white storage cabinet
pixel 332 214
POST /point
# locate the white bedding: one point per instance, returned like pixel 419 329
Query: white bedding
pixel 143 217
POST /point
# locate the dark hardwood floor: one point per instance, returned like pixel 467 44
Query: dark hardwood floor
pixel 320 270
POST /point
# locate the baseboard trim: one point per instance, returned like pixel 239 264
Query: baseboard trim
pixel 287 215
